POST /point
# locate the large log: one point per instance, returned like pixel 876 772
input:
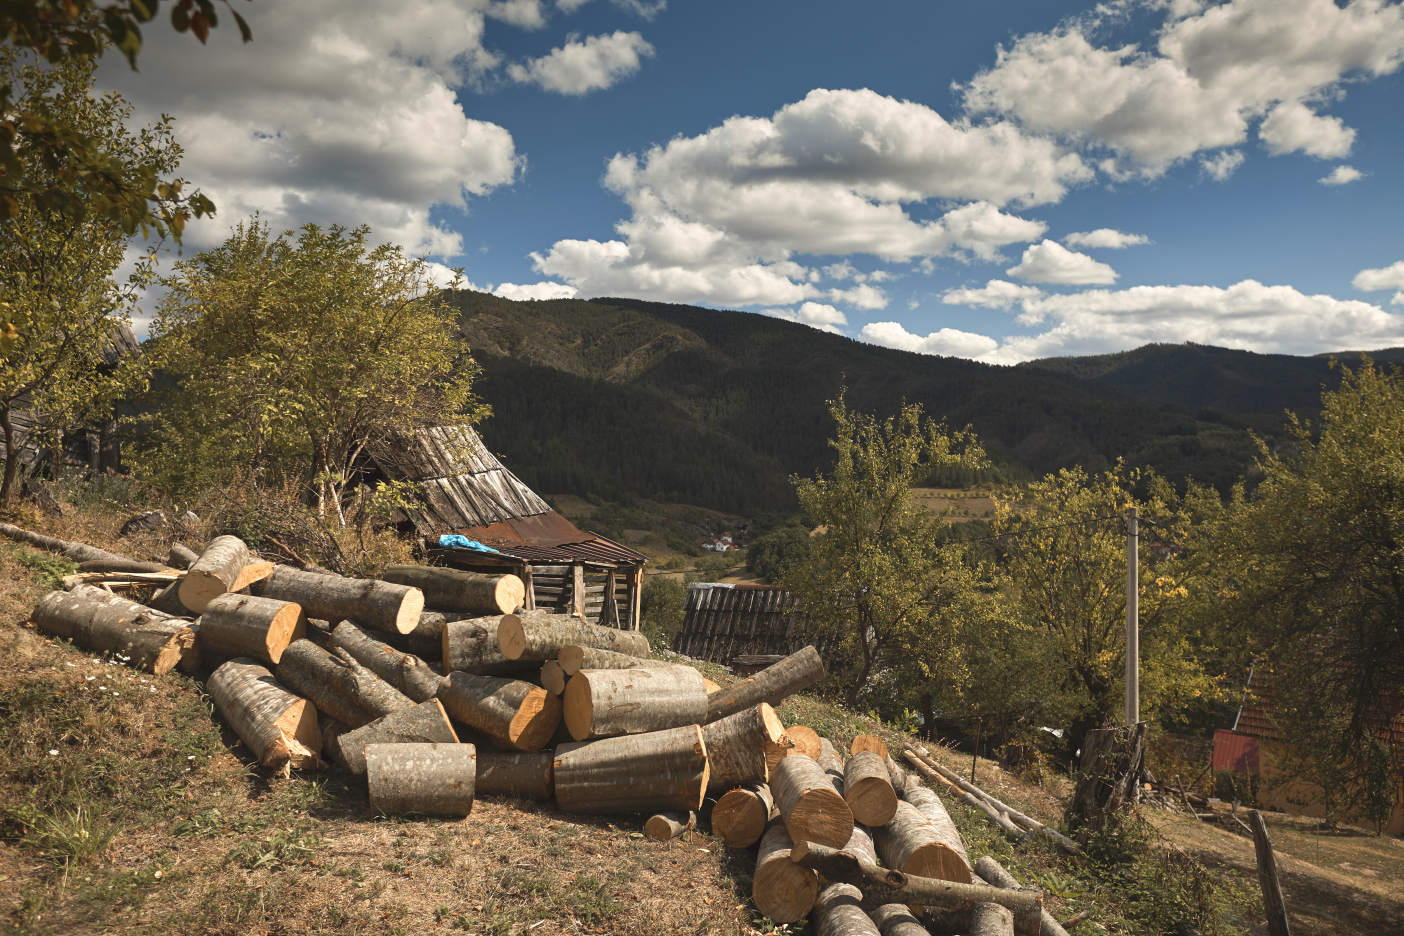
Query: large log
pixel 330 684
pixel 421 777
pixel 374 694
pixel 105 623
pixel 912 844
pixel 897 920
pixel 574 658
pixel 742 747
pixel 662 771
pixel 77 552
pixel 867 742
pixel 380 606
pixel 831 763
pixel 606 703
pixel 994 873
pixel 796 672
pixel 279 728
pixel 214 573
pixel 838 912
pixel 740 815
pixel 664 827
pixel 553 678
pixel 781 889
pixel 540 636
pixel 426 641
pixel 471 647
pixel 990 919
pixel 405 672
pixel 425 722
pixel 812 809
pixel 881 886
pixel 181 556
pixel 934 811
pixel 867 786
pixel 525 776
pixel 513 713
pixel 242 625
pixel 457 590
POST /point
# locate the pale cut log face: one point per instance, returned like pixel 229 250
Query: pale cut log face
pixel 821 816
pixel 806 741
pixel 411 607
pixel 867 742
pixel 511 639
pixel 511 593
pixel 782 889
pixel 536 720
pixel 739 817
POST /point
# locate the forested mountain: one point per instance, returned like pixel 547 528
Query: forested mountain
pixel 613 397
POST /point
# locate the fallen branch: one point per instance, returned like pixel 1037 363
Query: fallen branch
pixel 998 818
pixel 78 552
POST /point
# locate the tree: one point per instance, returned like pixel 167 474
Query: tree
pixel 877 577
pixel 1318 554
pixel 56 267
pixel 663 606
pixel 299 359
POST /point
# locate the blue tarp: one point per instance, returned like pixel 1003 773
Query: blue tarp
pixel 454 541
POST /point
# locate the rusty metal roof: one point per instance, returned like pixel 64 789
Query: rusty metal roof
pixel 547 538
pixel 1257 718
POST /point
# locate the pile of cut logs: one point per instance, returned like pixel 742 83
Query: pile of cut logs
pixel 433 686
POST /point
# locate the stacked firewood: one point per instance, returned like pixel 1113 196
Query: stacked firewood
pixel 434 686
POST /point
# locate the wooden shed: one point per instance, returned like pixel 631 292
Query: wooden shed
pixel 466 492
pixel 723 621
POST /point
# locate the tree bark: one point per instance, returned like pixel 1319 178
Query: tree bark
pixel 315 674
pixel 990 919
pixel 664 827
pixel 934 811
pixel 423 777
pixel 537 635
pixel 739 746
pixel 830 762
pixel 214 573
pixel 780 888
pixel 373 694
pixel 103 622
pixel 553 678
pixel 796 672
pixel 881 886
pixel 837 912
pixel 1273 903
pixel 993 872
pixel 181 556
pixel 513 713
pixel 405 672
pixel 740 815
pixel 12 450
pixel 471 647
pixel 867 787
pixel 380 606
pixel 279 728
pixel 897 920
pixel 1109 775
pixel 606 703
pixel 457 590
pixel 812 809
pixel 525 776
pixel 426 641
pixel 575 658
pixel 912 844
pixel 77 552
pixel 662 771
pixel 121 565
pixel 425 722
pixel 242 625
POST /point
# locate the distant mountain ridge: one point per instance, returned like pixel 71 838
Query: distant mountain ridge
pixel 620 397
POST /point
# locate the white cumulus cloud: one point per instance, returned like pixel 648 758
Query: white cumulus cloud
pixel 542 290
pixel 815 314
pixel 1222 165
pixel 1051 262
pixel 1108 238
pixel 948 342
pixel 862 296
pixel 1390 277
pixel 996 294
pixel 1341 175
pixel 579 67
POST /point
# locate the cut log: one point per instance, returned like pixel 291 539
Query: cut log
pixel 421 777
pixel 995 874
pixel 214 573
pixel 525 776
pixel 102 622
pixel 897 920
pixel 710 686
pixel 540 636
pixel 795 673
pixel 662 771
pixel 739 746
pixel 781 889
pixel 664 827
pixel 901 780
pixel 812 809
pixel 867 786
pixel 279 728
pixel 167 601
pixel 837 912
pixel 374 694
pixel 457 590
pixel 867 742
pixel 315 674
pixel 513 713
pixel 739 817
pixel 181 556
pixel 990 919
pixel 553 677
pixel 806 741
pixel 242 625
pixel 607 703
pixel 426 641
pixel 882 886
pixel 471 647
pixel 407 673
pixel 380 606
pixel 912 844
pixel 575 658
pixel 77 552
pixel 830 762
pixel 121 565
pixel 424 722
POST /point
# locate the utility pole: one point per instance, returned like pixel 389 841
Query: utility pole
pixel 1133 621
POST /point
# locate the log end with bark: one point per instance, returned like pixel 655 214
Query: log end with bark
pixel 605 703
pixel 243 625
pixel 812 808
pixel 867 787
pixel 739 817
pixel 664 827
pixel 214 573
pixel 781 889
pixel 459 590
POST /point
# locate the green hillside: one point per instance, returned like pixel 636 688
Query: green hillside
pixel 612 397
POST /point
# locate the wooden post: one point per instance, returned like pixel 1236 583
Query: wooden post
pixel 1273 903
pixel 524 573
pixel 635 597
pixel 979 729
pixel 1133 623
pixel 577 589
pixel 609 611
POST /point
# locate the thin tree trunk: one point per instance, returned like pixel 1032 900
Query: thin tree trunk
pixel 11 457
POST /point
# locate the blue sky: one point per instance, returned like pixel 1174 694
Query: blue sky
pixel 914 174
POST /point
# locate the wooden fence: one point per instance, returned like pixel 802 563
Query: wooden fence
pixel 723 623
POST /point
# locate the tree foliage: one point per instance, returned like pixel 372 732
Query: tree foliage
pixel 300 358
